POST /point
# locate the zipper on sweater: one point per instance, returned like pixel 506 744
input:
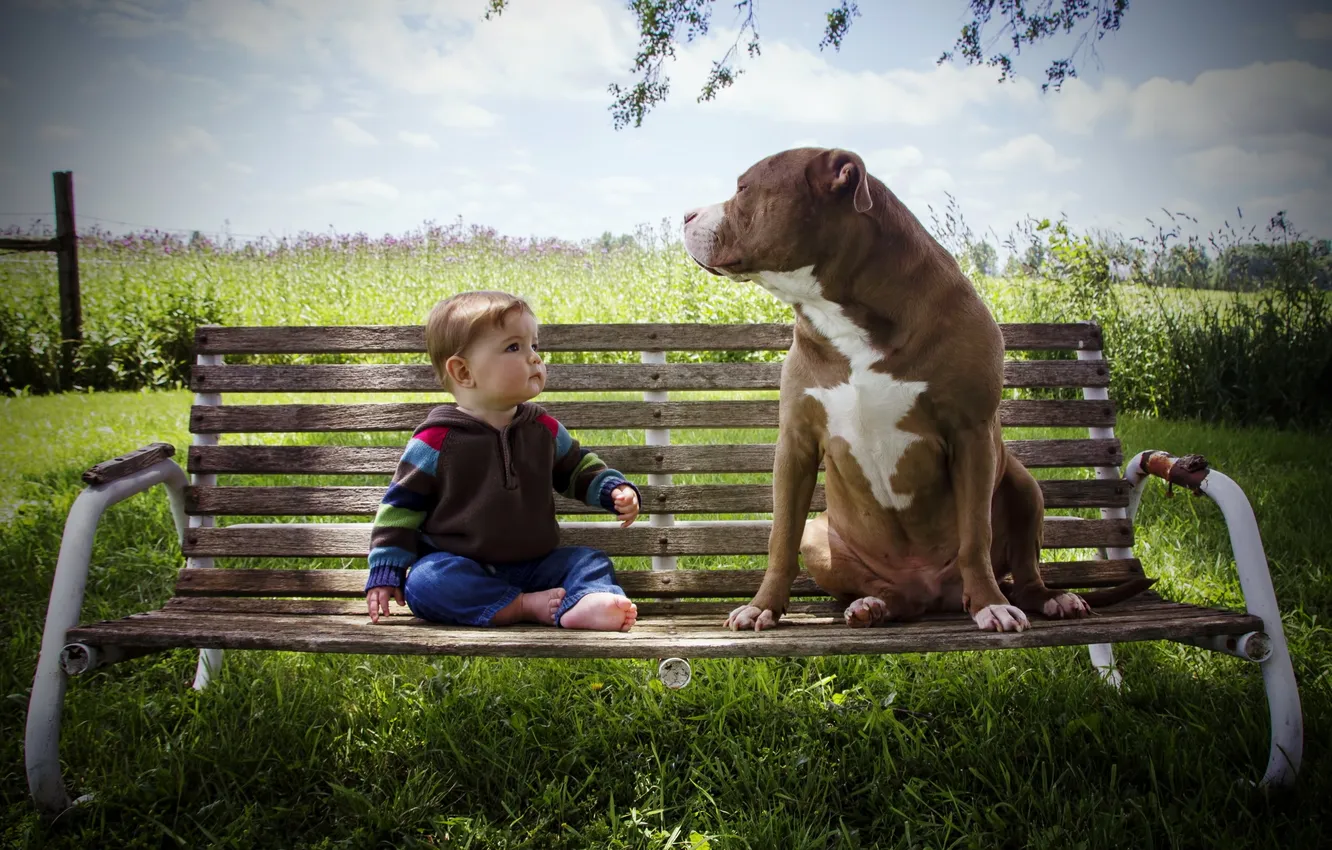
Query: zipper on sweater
pixel 507 459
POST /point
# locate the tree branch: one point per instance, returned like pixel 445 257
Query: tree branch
pixel 1027 23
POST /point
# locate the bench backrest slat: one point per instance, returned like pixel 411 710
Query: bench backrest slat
pixel 613 415
pixel 737 457
pixel 408 339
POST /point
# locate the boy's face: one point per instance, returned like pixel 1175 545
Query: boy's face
pixel 504 364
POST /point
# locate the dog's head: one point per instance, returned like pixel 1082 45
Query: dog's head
pixel 788 211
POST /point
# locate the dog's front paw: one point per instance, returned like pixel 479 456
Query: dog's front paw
pixel 752 617
pixel 1066 606
pixel 866 611
pixel 1001 618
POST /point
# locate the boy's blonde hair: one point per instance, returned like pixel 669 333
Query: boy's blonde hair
pixel 455 322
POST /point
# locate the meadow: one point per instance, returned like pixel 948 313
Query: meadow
pixel 1021 748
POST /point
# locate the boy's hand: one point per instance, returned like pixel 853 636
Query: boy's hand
pixel 377 600
pixel 626 504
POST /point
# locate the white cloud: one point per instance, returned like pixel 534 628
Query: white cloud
pixel 794 84
pixel 367 192
pixel 1229 165
pixel 58 133
pixel 465 116
pixel 621 190
pixel 888 164
pixel 307 94
pixel 264 28
pixel 422 141
pixel 1314 26
pixel 568 49
pixel 549 50
pixel 1307 210
pixel 1235 103
pixel 351 133
pixel 1079 107
pixel 240 168
pixel 193 139
pixel 1024 151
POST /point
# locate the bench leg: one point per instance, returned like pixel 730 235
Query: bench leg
pixel 210 660
pixel 1103 659
pixel 1283 695
pixel 210 664
pixel 1103 654
pixel 41 747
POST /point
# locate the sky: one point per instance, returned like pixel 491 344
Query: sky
pixel 272 117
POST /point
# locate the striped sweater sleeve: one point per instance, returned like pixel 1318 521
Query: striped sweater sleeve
pixel 578 472
pixel 407 502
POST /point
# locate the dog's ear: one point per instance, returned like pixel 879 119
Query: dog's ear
pixel 837 172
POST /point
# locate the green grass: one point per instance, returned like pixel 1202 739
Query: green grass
pixel 1005 749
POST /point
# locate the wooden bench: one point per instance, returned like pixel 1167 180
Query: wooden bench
pixel 681 605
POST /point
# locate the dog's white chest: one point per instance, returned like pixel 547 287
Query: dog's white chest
pixel 867 409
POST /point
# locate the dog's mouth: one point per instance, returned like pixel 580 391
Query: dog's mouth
pixel 732 270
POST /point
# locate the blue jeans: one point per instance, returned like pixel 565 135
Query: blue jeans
pixel 445 588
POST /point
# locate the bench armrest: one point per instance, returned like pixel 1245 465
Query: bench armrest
pixel 127 464
pixel 1255 578
pixel 135 473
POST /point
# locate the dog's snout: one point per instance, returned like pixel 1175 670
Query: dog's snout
pixel 690 216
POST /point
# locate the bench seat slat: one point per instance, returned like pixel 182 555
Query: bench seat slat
pixel 743 457
pixel 352 540
pixel 658 637
pixel 391 339
pixel 716 583
pixel 755 413
pixel 681 499
pixel 599 377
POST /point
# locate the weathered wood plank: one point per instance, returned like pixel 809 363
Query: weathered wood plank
pixel 678 499
pixel 715 583
pixel 352 540
pixel 357 606
pixel 652 613
pixel 420 377
pixel 745 457
pixel 269 418
pixel 128 464
pixel 390 339
pixel 793 637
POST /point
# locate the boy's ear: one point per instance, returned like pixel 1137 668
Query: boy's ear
pixel 459 374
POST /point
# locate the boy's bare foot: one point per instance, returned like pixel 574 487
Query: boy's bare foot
pixel 606 612
pixel 538 607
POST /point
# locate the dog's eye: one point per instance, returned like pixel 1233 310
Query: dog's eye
pixel 742 187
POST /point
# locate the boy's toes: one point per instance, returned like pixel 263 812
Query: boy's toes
pixel 630 617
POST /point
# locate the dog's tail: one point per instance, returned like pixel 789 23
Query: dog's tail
pixel 1117 594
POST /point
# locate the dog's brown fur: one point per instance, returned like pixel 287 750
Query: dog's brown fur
pixel 976 513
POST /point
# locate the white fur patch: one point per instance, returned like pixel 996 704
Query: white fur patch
pixel 700 233
pixel 1007 617
pixel 866 410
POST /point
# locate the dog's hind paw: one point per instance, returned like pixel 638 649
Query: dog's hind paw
pixel 1001 618
pixel 1066 606
pixel 866 611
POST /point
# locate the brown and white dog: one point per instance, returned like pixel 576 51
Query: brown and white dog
pixel 893 381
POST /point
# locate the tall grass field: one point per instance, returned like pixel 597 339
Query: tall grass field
pixel 1018 748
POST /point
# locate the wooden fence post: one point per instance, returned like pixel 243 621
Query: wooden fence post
pixel 67 270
